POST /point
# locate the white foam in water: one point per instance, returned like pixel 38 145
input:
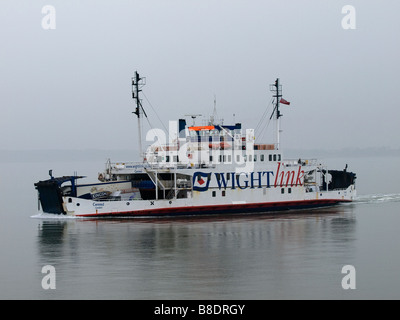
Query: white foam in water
pixel 53 216
pixel 378 198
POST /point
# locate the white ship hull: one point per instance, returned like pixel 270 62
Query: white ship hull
pixel 273 187
pixel 251 201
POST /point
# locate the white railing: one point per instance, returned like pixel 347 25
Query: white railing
pixel 303 162
pixel 137 167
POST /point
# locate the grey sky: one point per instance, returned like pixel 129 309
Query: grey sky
pixel 70 87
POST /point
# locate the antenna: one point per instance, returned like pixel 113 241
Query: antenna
pixel 136 82
pixel 213 118
pixel 194 116
pixel 277 89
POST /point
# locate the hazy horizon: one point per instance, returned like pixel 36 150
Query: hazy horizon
pixel 70 87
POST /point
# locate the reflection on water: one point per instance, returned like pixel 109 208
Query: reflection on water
pixel 291 255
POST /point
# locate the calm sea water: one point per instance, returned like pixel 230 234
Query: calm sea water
pixel 293 255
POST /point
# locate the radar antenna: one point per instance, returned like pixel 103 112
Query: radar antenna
pixel 194 116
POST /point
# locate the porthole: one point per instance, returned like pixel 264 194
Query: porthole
pixel 127 203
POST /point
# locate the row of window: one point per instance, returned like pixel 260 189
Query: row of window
pixel 214 193
pixel 223 193
pixel 228 158
pixel 250 158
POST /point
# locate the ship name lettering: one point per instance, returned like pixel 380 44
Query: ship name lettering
pixel 255 179
pixel 98 204
pixel 290 177
pixel 259 179
pixel 284 177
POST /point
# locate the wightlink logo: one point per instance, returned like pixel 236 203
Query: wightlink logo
pixel 282 177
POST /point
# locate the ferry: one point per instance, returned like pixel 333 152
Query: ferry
pixel 206 169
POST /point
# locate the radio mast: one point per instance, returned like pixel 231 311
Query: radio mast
pixel 136 82
pixel 277 89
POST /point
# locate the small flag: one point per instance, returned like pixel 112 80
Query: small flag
pixel 284 101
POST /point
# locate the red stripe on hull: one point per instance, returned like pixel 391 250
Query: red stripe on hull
pixel 220 209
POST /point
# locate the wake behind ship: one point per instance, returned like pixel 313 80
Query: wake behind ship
pixel 211 168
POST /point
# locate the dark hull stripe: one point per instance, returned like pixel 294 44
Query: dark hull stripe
pixel 221 209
